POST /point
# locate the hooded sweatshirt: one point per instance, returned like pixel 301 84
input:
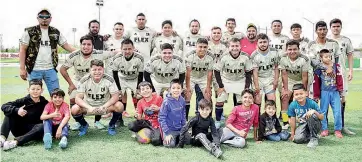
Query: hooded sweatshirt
pixel 172 115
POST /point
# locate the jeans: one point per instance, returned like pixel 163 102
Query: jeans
pixel 331 98
pixel 278 136
pixel 50 78
pixel 174 140
pixel 52 129
pixel 307 130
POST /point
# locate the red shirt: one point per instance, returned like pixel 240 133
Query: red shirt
pixel 247 46
pixel 242 119
pixel 142 105
pixel 63 110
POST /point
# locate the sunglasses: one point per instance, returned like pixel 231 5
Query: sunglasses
pixel 44 16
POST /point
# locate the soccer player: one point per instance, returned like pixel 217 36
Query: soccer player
pixel 216 46
pixel 128 69
pixel 81 60
pixel 231 33
pixel 230 73
pixel 113 44
pixel 167 36
pixel 278 40
pixel 163 68
pixel 199 69
pixel 248 44
pixel 266 73
pixel 296 31
pixel 97 94
pixel 190 39
pixel 142 36
pixel 294 70
pixel 346 47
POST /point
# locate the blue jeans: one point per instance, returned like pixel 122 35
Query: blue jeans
pixel 173 142
pixel 331 98
pixel 199 96
pixel 50 78
pixel 52 129
pixel 278 136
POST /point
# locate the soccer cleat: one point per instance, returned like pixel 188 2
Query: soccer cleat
pixel 9 145
pixel 313 143
pixel 75 126
pixel 2 140
pixel 83 130
pixel 47 139
pixel 134 135
pixel 325 133
pixel 125 114
pixel 347 131
pixel 99 125
pixel 63 142
pixel 338 134
pixel 217 124
pixel 112 130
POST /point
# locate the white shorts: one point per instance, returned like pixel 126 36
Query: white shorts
pixel 223 97
pixel 202 84
pixel 266 85
pixel 74 92
pixel 160 87
pixel 128 84
pixel 231 87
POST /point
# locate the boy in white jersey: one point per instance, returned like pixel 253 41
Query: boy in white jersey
pixel 199 69
pixel 113 44
pixel 97 95
pixel 294 70
pixel 230 73
pixel 278 40
pixel 231 33
pixel 346 47
pixel 167 36
pixel 81 61
pixel 163 68
pixel 142 36
pixel 128 69
pixel 266 73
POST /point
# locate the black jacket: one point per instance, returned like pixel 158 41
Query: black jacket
pixel 34 110
pixel 98 43
pixel 267 124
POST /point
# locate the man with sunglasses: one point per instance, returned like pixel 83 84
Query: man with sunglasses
pixel 38 51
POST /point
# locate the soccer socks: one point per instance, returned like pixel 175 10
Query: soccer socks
pixel 342 112
pixel 187 107
pixel 115 117
pixel 218 112
pixel 284 117
pixel 80 119
pixel 97 118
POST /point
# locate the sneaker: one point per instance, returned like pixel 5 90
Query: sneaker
pixel 9 145
pixel 313 143
pixel 47 139
pixel 347 131
pixel 63 142
pixel 112 130
pixel 83 130
pixel 338 134
pixel 120 123
pixel 325 133
pixel 285 127
pixel 99 125
pixel 75 126
pixel 134 135
pixel 125 114
pixel 2 140
pixel 217 124
pixel 216 151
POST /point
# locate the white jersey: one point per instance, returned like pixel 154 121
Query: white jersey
pixel 128 69
pixel 175 41
pixel 346 49
pixel 279 43
pixel 189 42
pixel 303 45
pixel 97 94
pixel 217 49
pixel 112 44
pixel 226 37
pixel 295 68
pixel 82 65
pixel 199 66
pixel 142 40
pixel 233 69
pixel 314 48
pixel 265 63
pixel 163 72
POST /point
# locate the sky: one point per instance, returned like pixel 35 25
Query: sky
pixel 67 14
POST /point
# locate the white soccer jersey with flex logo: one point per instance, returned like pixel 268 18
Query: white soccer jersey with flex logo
pixel 233 69
pixel 346 48
pixel 296 67
pixel 164 72
pixel 314 48
pixel 279 43
pixel 199 66
pixel 142 40
pixel 217 49
pixel 128 69
pixel 189 42
pixel 175 41
pixel 226 37
pixel 265 63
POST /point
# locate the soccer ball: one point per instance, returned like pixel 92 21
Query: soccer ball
pixel 144 136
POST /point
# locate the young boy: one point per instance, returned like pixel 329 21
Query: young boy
pixel 172 115
pixel 22 117
pixel 269 126
pixel 309 117
pixel 200 125
pixel 328 89
pixel 147 108
pixel 240 121
pixel 56 116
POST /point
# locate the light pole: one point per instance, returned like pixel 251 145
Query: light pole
pixel 99 3
pixel 74 30
pixel 312 26
pixel 266 29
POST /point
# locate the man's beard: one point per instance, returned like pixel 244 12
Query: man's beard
pixel 251 36
pixel 194 32
pixel 43 24
pixel 94 32
pixel 260 48
pixel 87 54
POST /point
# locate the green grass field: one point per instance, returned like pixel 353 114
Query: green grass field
pixel 99 146
pixel 9 60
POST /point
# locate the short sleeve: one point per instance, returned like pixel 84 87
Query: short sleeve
pixel 305 67
pixel 114 65
pixel 281 65
pixel 349 48
pixel 69 62
pixel 141 66
pixel 62 40
pixel 81 87
pixel 211 66
pixel 188 60
pixel 219 65
pixel 25 38
pixel 47 108
pixel 182 68
pixel 149 67
pixel 140 107
pixel 248 65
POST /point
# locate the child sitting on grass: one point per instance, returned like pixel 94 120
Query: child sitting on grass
pixel 56 116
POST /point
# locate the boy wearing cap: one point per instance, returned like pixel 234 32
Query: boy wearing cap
pixel 38 51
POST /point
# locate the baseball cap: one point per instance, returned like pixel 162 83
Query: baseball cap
pixel 44 10
pixel 251 25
